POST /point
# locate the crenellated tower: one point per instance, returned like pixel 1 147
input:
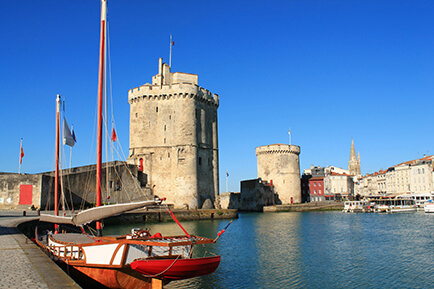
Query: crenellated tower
pixel 279 164
pixel 173 137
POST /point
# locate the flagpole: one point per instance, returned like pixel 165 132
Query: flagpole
pixel 289 136
pixel 170 54
pixel 70 151
pixel 21 149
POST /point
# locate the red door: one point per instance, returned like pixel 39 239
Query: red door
pixel 141 165
pixel 26 194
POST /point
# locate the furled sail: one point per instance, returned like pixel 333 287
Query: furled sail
pixel 97 213
pixel 56 219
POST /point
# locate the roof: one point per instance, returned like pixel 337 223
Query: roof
pixel 316 179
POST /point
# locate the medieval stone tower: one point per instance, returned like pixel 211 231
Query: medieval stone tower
pixel 279 164
pixel 354 162
pixel 173 137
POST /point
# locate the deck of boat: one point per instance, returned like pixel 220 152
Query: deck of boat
pixel 74 238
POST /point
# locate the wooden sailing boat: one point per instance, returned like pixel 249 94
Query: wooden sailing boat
pixel 136 260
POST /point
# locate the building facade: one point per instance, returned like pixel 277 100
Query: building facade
pixel 338 186
pixel 173 137
pixel 316 189
pixel 279 165
pixel 411 177
pixel 327 184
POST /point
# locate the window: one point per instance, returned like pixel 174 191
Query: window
pixel 156 109
pixel 200 161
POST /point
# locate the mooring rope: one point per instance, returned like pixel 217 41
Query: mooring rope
pixel 164 271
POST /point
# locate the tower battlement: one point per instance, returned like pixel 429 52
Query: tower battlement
pixel 278 149
pixel 170 91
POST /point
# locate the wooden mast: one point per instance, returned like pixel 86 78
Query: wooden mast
pixel 56 175
pixel 100 109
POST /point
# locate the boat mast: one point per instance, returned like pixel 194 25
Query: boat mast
pixel 56 175
pixel 100 109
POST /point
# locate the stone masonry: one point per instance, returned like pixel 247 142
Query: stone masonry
pixel 279 165
pixel 173 137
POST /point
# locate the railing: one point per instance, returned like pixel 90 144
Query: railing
pixel 72 252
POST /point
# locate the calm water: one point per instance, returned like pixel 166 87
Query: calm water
pixel 315 250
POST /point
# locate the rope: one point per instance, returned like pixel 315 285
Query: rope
pixel 176 220
pixel 164 271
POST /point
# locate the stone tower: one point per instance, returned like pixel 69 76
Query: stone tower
pixel 173 137
pixel 279 164
pixel 354 162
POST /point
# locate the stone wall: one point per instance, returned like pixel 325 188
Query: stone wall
pixel 173 138
pixel 230 200
pixel 279 164
pixel 255 194
pixel 10 185
pixel 121 183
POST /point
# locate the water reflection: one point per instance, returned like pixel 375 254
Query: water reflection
pixel 314 250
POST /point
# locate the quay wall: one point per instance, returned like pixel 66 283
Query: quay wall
pixel 154 216
pixel 305 207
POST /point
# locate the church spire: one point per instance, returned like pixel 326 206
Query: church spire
pixel 354 162
pixel 353 156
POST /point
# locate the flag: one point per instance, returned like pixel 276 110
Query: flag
pixel 73 133
pixel 114 136
pixel 21 152
pixel 173 43
pixel 227 174
pixel 68 138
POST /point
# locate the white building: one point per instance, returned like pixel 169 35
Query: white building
pixel 415 176
pixel 337 184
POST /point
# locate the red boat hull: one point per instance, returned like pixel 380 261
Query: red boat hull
pixel 176 269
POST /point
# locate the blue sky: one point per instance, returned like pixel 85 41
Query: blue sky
pixel 329 70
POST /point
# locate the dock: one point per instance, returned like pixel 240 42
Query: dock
pixel 306 207
pixel 22 263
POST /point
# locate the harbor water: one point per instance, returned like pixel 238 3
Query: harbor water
pixel 314 250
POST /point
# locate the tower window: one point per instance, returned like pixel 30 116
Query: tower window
pixel 156 109
pixel 200 161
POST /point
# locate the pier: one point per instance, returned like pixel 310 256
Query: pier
pixel 23 264
pixel 305 207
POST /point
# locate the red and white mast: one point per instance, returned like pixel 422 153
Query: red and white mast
pixel 56 174
pixel 100 109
